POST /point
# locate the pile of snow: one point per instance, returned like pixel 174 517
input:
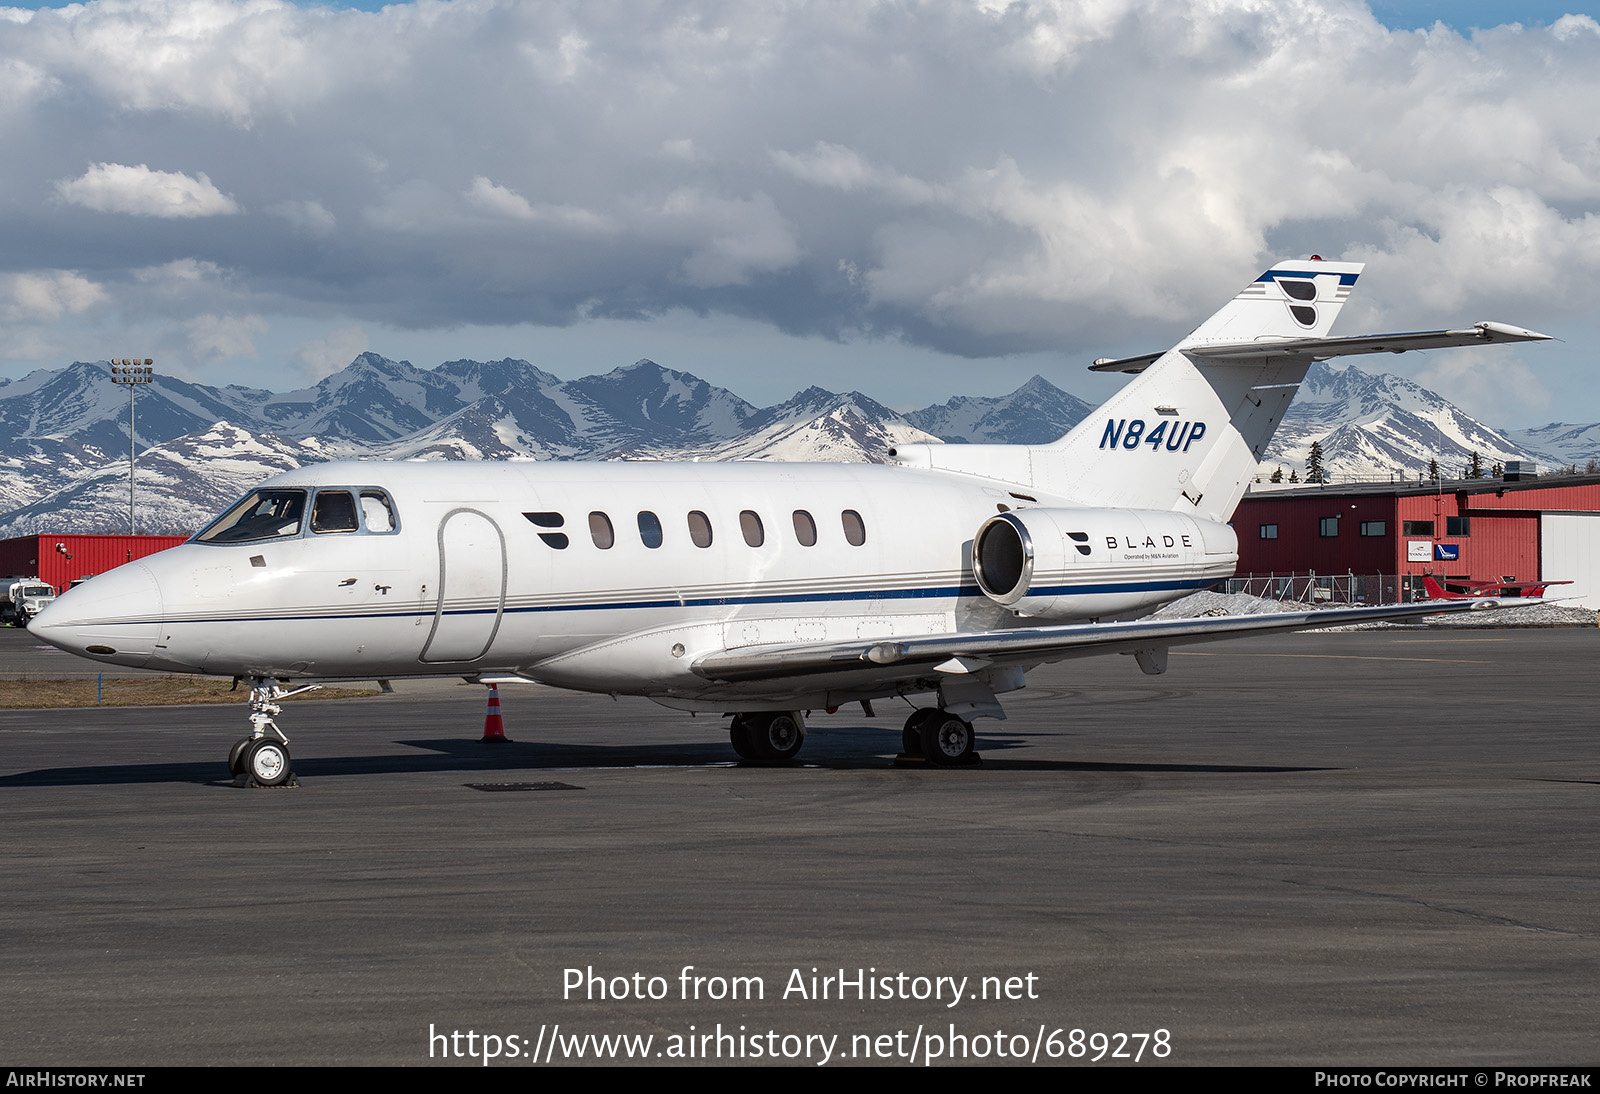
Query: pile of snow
pixel 1209 603
pixel 1548 614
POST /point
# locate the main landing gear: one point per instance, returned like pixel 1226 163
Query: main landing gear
pixel 942 738
pixel 260 760
pixel 766 736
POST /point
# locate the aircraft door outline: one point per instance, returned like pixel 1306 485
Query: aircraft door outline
pixel 465 537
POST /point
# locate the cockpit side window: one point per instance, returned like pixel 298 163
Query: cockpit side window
pixel 377 512
pixel 334 511
pixel 263 514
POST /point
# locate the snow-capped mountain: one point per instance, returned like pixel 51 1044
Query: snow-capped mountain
pixel 1038 412
pixel 1559 444
pixel 63 434
pixel 814 426
pixel 1373 427
pixel 181 484
pixel 647 403
pixel 528 414
pixel 370 400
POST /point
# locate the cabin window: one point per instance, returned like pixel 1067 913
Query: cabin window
pixel 855 532
pixel 750 525
pixel 650 530
pixel 376 511
pixel 334 511
pixel 1269 531
pixel 700 529
pixel 1328 527
pixel 558 540
pixel 1458 526
pixel 1416 527
pixel 1374 527
pixel 805 529
pixel 600 531
pixel 263 514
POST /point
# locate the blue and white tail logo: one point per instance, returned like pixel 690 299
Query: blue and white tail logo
pixel 1292 300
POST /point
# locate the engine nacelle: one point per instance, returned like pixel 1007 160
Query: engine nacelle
pixel 1098 563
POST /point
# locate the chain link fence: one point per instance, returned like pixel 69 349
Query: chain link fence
pixel 1314 588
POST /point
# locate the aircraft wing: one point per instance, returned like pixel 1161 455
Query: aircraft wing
pixel 968 652
pixel 1318 349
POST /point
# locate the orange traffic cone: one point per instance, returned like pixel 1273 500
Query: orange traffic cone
pixel 494 730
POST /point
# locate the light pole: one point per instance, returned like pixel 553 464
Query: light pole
pixel 131 371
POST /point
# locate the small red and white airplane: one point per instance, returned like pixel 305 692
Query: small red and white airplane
pixel 766 590
pixel 1450 589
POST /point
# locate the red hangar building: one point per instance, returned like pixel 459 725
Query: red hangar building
pixel 61 559
pixel 1473 529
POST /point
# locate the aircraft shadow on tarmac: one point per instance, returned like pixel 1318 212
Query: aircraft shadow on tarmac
pixel 841 749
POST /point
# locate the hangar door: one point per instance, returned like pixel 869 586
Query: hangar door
pixel 1569 550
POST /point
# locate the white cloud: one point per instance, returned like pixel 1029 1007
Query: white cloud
pixel 221 337
pixel 43 296
pixel 737 237
pixel 308 216
pixel 501 202
pixel 981 177
pixel 180 271
pixel 324 356
pixel 139 191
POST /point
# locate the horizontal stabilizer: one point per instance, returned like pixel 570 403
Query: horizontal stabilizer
pixel 1318 349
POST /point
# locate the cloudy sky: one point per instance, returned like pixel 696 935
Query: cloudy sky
pixel 909 199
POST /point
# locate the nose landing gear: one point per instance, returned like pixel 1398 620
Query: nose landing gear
pixel 259 760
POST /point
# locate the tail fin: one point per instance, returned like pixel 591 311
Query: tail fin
pixel 1292 300
pixel 1188 433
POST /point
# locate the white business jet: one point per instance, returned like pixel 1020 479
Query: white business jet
pixel 764 589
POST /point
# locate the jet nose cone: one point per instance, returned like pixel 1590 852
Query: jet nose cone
pixel 116 617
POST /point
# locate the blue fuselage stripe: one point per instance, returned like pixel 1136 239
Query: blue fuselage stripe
pixel 941 592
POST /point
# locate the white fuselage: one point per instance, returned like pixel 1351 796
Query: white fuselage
pixel 546 570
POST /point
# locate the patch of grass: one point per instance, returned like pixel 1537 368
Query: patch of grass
pixel 46 692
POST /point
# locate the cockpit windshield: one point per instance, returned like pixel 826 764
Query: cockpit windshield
pixel 281 514
pixel 265 514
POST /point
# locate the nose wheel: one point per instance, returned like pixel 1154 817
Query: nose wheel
pixel 262 758
pixel 266 762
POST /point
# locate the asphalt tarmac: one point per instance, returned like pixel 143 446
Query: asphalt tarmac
pixel 1373 847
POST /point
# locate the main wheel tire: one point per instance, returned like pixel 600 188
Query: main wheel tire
pixel 911 735
pixel 267 763
pixel 739 735
pixel 236 756
pixel 775 737
pixel 948 740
